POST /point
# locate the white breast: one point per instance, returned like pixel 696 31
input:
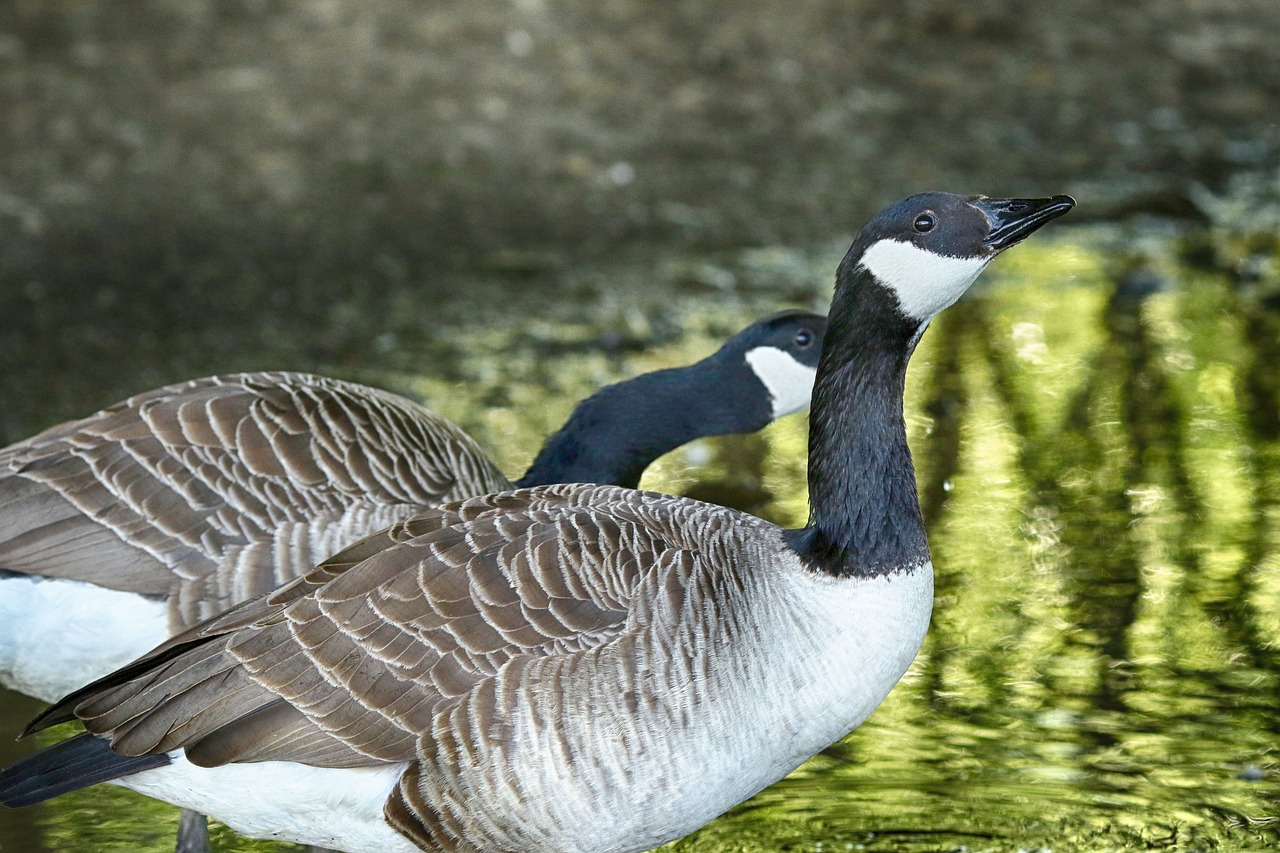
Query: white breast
pixel 828 660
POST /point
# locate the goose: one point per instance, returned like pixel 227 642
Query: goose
pixel 176 503
pixel 120 529
pixel 568 667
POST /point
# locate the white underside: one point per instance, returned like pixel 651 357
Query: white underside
pixel 340 809
pixel 58 635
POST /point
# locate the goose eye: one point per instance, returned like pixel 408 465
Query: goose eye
pixel 803 338
pixel 925 222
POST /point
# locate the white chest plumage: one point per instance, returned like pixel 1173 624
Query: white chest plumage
pixel 795 664
pixel 826 656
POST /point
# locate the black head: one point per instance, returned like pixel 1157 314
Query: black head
pixel 929 248
pixel 796 333
pixel 763 372
pixel 782 350
pixel 911 261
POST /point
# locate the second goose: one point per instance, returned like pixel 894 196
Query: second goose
pixel 169 507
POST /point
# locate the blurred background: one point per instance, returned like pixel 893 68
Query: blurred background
pixel 497 206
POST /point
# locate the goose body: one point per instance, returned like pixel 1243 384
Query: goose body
pixel 647 771
pixel 119 529
pixel 569 667
pixel 174 504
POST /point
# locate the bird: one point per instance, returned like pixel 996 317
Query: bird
pixel 567 667
pixel 209 492
pixel 119 529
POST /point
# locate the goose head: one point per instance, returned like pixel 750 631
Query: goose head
pixel 927 249
pixel 910 262
pixel 762 373
pixel 781 352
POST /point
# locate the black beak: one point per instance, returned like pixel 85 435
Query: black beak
pixel 1014 219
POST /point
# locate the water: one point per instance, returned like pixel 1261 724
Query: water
pixel 1097 438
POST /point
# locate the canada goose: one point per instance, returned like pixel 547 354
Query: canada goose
pixel 171 506
pixel 570 667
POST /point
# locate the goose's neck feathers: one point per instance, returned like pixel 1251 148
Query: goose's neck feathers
pixel 864 518
pixel 616 433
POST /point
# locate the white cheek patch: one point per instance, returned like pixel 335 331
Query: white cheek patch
pixel 924 283
pixel 788 382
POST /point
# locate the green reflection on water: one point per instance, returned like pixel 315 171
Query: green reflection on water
pixel 1098 448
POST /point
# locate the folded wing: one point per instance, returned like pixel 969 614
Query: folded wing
pixel 222 488
pixel 351 665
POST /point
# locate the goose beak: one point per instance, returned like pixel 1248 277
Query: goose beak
pixel 1012 220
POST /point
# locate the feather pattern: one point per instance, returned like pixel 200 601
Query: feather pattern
pixel 453 596
pixel 467 640
pixel 214 491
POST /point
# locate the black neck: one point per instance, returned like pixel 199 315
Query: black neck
pixel 616 433
pixel 864 511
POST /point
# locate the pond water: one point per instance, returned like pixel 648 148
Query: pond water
pixel 1096 430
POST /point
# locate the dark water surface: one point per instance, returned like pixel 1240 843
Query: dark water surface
pixel 1097 438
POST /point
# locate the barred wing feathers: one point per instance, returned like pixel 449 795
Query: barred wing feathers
pixel 219 489
pixel 455 612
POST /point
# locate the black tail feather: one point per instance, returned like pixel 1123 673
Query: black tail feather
pixel 82 761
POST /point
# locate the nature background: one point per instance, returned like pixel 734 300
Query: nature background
pixel 495 207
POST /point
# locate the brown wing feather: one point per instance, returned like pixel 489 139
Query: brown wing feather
pixel 371 658
pixel 216 490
